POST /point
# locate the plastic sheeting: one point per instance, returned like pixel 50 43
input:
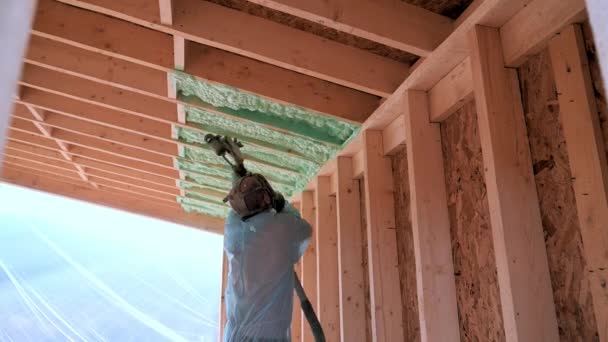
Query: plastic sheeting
pixel 70 271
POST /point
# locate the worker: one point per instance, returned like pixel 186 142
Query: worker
pixel 263 238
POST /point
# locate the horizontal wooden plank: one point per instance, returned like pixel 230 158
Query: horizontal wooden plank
pixel 420 31
pixel 264 40
pixel 114 199
pixel 103 34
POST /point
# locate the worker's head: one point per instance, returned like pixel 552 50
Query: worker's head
pixel 251 195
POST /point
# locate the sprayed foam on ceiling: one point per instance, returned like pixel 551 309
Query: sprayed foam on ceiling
pixel 285 143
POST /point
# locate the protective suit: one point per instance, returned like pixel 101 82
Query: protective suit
pixel 261 252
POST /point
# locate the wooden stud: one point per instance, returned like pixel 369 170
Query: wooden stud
pixel 327 259
pixel 436 287
pixel 421 31
pixel 526 296
pixel 358 165
pixel 529 31
pixel 384 283
pixel 114 199
pixel 166 12
pixel 309 260
pixel 587 155
pixel 203 22
pixel 350 254
pixel 15 22
pixel 598 12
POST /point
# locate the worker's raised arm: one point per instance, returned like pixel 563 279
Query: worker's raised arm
pixel 301 231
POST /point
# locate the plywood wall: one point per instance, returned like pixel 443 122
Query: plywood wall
pixel 472 247
pixel 405 247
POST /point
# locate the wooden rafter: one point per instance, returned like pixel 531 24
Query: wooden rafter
pixel 115 39
pixel 289 48
pixel 114 199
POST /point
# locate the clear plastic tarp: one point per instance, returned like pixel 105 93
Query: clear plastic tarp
pixel 71 271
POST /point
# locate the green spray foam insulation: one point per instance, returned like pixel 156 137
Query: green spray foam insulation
pixel 252 107
pixel 208 156
pixel 253 152
pixel 287 144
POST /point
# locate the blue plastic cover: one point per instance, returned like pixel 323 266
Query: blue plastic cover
pixel 261 252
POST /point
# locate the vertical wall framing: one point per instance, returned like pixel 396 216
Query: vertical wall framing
pixel 15 23
pixel 385 291
pixel 521 259
pixel 435 280
pixel 350 250
pixel 327 259
pixel 309 261
pixel 587 154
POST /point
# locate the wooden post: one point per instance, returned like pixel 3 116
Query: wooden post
pixel 309 261
pixel 436 285
pixel 15 24
pixel 166 12
pixel 523 273
pixel 384 286
pixel 598 12
pixel 350 254
pixel 587 154
pixel 222 317
pixel 327 259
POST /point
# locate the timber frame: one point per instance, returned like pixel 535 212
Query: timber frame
pixel 82 130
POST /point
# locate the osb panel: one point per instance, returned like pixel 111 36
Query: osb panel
pixel 479 310
pixel 405 247
pixel 571 291
pixel 364 264
pixel 596 77
pixel 449 8
pixel 318 29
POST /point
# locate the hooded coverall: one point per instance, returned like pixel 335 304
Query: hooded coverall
pixel 261 252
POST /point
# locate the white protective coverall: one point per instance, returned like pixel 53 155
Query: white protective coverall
pixel 261 252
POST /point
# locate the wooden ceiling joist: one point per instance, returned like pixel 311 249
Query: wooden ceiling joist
pixel 114 38
pixel 393 23
pixel 264 40
pixel 121 174
pixel 114 199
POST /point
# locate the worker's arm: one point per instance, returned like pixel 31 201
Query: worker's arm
pixel 300 229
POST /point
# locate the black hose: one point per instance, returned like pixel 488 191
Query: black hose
pixel 309 312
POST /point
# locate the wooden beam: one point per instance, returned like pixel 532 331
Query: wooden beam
pixel 136 154
pixel 114 200
pixel 166 12
pixel 598 11
pixel 436 285
pixel 394 136
pixel 384 283
pixel 526 296
pixel 350 254
pixel 309 260
pixel 587 155
pixel 529 31
pixel 327 259
pixel 358 165
pixel 451 92
pixel 15 21
pixel 118 173
pixel 420 31
pixel 115 158
pixel 292 49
